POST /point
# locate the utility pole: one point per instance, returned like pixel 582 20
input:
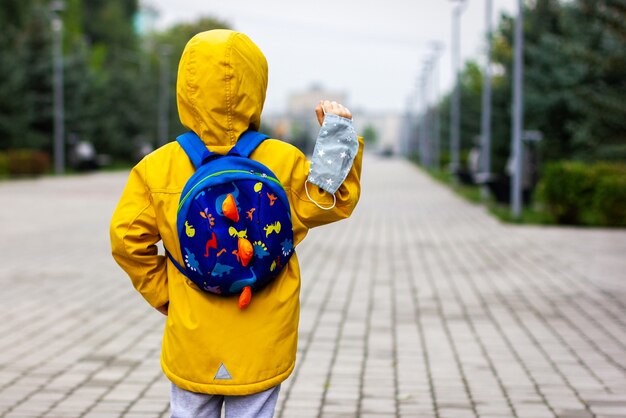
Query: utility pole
pixel 56 7
pixel 485 137
pixel 455 108
pixel 407 128
pixel 518 114
pixel 437 49
pixel 424 131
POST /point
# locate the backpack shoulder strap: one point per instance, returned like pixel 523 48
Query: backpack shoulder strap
pixel 194 147
pixel 247 143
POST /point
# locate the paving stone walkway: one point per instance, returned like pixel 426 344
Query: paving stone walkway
pixel 420 305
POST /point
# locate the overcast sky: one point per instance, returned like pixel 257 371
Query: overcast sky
pixel 371 49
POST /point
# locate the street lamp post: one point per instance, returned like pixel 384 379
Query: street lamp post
pixel 486 107
pixel 56 7
pixel 455 108
pixel 424 132
pixel 407 128
pixel 518 114
pixel 437 49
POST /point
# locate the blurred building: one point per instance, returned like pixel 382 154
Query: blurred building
pixel 299 126
pixel 386 127
pixel 303 103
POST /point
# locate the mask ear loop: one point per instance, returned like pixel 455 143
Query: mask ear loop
pixel 306 189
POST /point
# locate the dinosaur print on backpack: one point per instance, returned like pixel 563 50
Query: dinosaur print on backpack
pixel 234 220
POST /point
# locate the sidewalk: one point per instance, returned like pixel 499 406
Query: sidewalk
pixel 420 305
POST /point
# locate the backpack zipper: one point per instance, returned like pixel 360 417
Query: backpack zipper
pixel 265 176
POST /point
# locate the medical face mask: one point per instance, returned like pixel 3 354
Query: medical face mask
pixel 335 149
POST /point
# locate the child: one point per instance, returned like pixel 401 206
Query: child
pixel 213 352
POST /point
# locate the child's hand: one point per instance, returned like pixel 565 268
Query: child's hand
pixel 331 108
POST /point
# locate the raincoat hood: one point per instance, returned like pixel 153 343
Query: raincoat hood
pixel 222 81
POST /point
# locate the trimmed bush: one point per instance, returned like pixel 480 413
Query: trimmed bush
pixel 585 194
pixel 609 203
pixel 27 162
pixel 4 164
pixel 565 188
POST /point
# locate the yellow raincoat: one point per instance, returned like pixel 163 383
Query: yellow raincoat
pixel 209 344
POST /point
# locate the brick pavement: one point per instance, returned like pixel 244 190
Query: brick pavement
pixel 421 305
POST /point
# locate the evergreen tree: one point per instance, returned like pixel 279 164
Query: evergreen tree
pixel 173 40
pixel 596 44
pixel 574 61
pixel 25 67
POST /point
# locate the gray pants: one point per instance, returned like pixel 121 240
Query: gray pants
pixel 185 404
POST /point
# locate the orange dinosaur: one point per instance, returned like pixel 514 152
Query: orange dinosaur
pixel 272 198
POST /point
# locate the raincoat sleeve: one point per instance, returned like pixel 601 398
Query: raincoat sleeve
pixel 134 235
pixel 347 195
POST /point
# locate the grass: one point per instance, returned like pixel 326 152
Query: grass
pixel 469 193
pixel 472 193
pixel 117 166
pixel 529 216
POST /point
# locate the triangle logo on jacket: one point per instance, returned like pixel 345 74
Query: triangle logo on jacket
pixel 222 373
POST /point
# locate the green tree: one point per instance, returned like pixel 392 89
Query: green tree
pixel 471 87
pixel 14 119
pixel 370 135
pixel 25 67
pixel 97 82
pixel 112 83
pixel 174 39
pixel 110 22
pixel 596 34
pixel 574 61
pixel 549 79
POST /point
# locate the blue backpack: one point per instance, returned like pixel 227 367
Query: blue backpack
pixel 233 220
